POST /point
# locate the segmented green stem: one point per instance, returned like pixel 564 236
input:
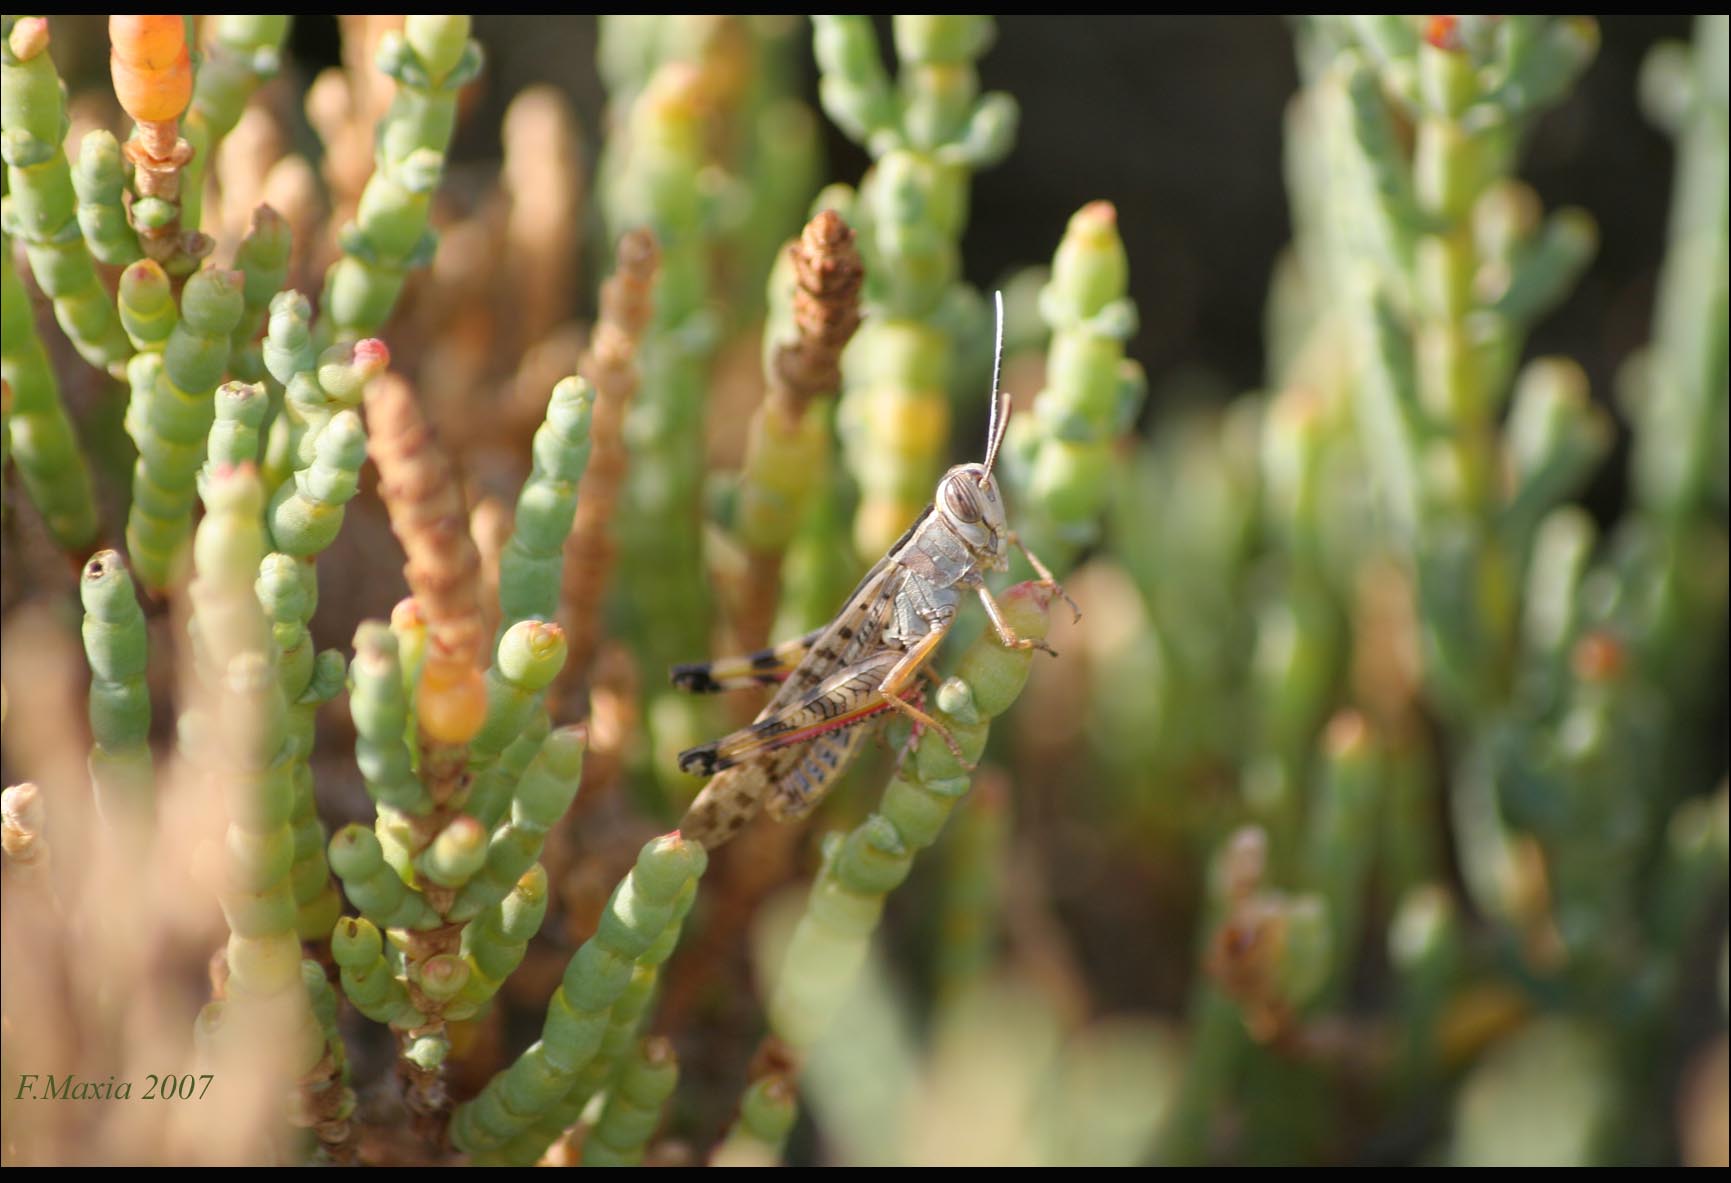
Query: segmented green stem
pixel 263 258
pixel 40 207
pixel 495 941
pixel 116 646
pixel 624 1023
pixel 633 1108
pixel 359 951
pixel 172 425
pixel 530 566
pixel 234 436
pixel 862 867
pixel 242 739
pixel 288 590
pixel 642 909
pixel 306 512
pixel 379 706
pixel 430 61
pixel 147 308
pixel 766 1116
pixel 374 886
pixel 99 179
pixel 543 794
pixel 927 134
pixel 43 444
pixel 1062 455
pixel 655 179
pixel 240 54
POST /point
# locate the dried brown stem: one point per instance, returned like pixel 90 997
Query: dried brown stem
pixel 428 517
pixel 444 573
pixel 828 274
pixel 610 364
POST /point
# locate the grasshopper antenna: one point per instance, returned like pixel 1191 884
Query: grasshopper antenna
pixel 1000 402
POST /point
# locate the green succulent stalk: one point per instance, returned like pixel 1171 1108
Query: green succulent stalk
pixel 543 794
pixel 976 858
pixel 495 941
pixel 378 703
pixel 148 312
pixel 240 54
pixel 287 589
pixel 1062 455
pixel 530 655
pixel 927 133
pixel 1342 836
pixel 657 180
pixel 373 885
pixel 643 909
pixel 1447 266
pixel 42 441
pixel 358 948
pixel 324 1101
pixel 316 387
pixel 430 62
pixel 40 207
pixel 234 436
pixel 861 867
pixel 117 648
pixel 172 427
pixel 531 564
pixel 99 180
pixel 1678 398
pixel 781 158
pixel 758 1134
pixel 624 1024
pixel 764 169
pixel 634 1106
pixel 263 258
pixel 306 511
pixel 244 739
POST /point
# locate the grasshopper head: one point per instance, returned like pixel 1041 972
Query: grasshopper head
pixel 970 504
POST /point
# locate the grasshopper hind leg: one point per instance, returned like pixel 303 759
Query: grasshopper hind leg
pixel 766 667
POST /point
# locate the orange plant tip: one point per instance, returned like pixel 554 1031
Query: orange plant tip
pixel 452 703
pixel 150 97
pixel 147 42
pixel 29 37
pixel 407 614
pixel 152 66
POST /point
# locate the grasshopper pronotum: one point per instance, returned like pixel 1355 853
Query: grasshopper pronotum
pixel 862 665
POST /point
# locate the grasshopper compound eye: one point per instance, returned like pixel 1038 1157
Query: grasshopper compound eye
pixel 961 502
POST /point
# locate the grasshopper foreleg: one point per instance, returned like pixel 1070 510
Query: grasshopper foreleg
pixel 1046 577
pixel 1007 635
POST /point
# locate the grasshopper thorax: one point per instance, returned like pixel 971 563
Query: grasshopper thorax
pixel 969 503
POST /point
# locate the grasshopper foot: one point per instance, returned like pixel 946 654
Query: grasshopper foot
pixel 703 760
pixel 1075 609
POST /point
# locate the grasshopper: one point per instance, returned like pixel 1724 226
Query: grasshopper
pixel 854 672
